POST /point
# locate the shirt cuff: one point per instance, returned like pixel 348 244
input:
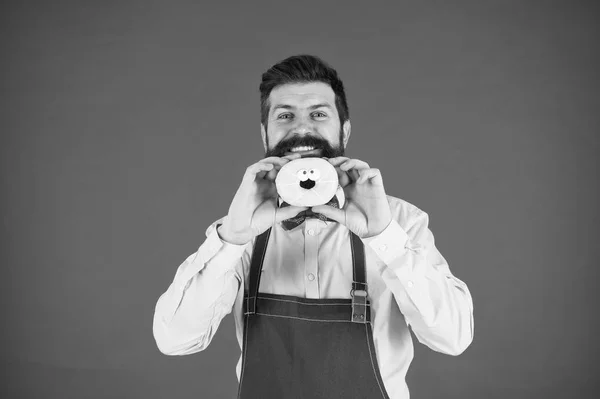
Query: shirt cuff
pixel 234 250
pixel 390 244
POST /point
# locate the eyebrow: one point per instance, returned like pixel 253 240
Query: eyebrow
pixel 286 106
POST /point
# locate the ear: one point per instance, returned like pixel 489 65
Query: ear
pixel 347 129
pixel 263 134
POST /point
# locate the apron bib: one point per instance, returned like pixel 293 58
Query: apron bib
pixel 308 348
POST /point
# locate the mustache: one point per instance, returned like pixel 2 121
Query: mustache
pixel 328 150
pixel 301 142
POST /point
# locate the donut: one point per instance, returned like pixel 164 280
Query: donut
pixel 307 182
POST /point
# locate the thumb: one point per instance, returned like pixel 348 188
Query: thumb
pixel 287 212
pixel 339 215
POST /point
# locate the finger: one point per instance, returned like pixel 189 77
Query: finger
pixel 354 164
pixel 354 175
pixel 275 160
pixel 373 175
pixel 337 160
pixel 350 167
pixel 339 215
pixel 291 156
pixel 288 212
pixel 343 177
pixel 272 175
pixel 259 170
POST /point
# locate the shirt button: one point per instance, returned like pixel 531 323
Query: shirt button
pixel 410 284
pixel 311 232
pixel 311 276
pixel 383 247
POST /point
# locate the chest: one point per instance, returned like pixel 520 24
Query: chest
pixel 315 262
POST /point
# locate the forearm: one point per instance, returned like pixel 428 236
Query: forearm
pixel 436 305
pixel 203 291
pixel 185 321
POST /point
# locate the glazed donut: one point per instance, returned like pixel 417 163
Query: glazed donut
pixel 307 182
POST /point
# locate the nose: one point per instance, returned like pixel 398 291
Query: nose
pixel 303 126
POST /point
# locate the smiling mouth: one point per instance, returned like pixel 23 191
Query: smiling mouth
pixel 303 153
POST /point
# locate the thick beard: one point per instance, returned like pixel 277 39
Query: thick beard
pixel 327 151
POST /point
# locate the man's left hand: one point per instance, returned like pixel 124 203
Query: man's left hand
pixel 366 212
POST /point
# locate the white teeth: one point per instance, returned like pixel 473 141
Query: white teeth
pixel 296 149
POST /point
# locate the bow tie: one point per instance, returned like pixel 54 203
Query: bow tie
pixel 297 220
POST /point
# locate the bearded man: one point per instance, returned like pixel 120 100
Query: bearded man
pixel 323 296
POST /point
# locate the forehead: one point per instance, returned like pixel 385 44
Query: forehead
pixel 302 94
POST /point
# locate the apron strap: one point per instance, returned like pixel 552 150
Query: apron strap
pixel 258 256
pixel 359 283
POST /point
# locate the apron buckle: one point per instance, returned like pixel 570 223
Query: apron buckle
pixel 358 292
pixel 359 306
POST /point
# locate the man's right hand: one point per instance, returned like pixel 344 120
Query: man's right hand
pixel 254 208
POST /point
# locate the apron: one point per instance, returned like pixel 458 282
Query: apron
pixel 308 348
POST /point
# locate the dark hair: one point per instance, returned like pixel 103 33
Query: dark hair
pixel 302 69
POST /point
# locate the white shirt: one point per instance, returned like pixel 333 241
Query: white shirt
pixel 409 284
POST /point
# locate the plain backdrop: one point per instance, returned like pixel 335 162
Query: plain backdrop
pixel 126 128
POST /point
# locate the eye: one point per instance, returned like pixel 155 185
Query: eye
pixel 314 174
pixel 319 114
pixel 302 174
pixel 285 116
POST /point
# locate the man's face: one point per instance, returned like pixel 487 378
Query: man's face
pixel 304 115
